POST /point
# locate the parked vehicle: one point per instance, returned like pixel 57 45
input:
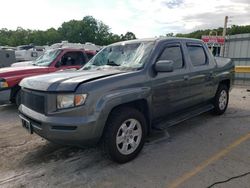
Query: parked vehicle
pixel 28 52
pixel 52 61
pixel 90 54
pixel 87 46
pixel 22 64
pixel 127 90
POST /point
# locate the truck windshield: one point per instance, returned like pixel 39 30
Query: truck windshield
pixel 47 58
pixel 121 56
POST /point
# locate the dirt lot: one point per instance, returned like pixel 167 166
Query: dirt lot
pixel 202 151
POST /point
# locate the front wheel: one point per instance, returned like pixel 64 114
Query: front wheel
pixel 125 134
pixel 221 100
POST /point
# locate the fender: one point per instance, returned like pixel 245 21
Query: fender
pixel 109 101
pixel 222 76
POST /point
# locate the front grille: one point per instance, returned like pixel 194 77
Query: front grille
pixel 33 101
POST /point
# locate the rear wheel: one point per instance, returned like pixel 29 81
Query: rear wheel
pixel 125 134
pixel 221 99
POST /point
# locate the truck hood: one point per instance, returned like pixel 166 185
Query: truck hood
pixel 22 64
pixel 66 81
pixel 15 71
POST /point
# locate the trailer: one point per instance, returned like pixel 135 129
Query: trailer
pixel 7 57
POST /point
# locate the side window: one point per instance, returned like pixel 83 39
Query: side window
pixel 73 59
pixel 197 55
pixel 173 53
pixel 90 56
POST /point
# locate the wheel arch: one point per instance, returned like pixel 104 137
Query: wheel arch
pixel 225 82
pixel 140 104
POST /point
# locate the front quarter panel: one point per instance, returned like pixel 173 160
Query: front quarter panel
pixel 108 93
pixel 108 102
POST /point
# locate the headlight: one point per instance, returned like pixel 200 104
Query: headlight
pixel 3 84
pixel 70 100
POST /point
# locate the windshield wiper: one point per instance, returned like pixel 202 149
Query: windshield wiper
pixel 112 63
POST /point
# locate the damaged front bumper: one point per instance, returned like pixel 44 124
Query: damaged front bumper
pixel 63 130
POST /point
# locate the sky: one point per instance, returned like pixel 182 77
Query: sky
pixel 145 18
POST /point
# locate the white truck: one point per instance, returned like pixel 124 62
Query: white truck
pixel 28 52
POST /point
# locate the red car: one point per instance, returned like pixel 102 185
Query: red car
pixel 52 61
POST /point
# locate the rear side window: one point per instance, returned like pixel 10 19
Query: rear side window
pixel 173 53
pixel 90 56
pixel 197 55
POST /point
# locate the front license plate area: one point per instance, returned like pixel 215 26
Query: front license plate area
pixel 27 125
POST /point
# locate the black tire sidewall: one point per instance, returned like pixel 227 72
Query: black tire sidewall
pixel 18 98
pixel 217 109
pixel 114 123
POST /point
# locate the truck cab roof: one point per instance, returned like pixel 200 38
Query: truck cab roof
pixel 159 39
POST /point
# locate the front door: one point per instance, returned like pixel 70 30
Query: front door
pixel 170 89
pixel 71 60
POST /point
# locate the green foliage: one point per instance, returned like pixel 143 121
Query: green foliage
pixel 88 29
pixel 169 34
pixel 92 30
pixel 233 30
pixel 128 36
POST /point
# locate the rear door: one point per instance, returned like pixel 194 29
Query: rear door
pixel 201 73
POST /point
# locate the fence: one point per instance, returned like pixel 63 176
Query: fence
pixel 237 47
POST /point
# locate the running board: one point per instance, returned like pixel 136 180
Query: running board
pixel 182 117
pixel 157 136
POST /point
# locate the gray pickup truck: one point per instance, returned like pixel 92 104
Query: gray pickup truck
pixel 125 92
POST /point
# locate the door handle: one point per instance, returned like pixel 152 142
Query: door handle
pixel 186 77
pixel 210 75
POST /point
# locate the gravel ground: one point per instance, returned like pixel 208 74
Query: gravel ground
pixel 202 151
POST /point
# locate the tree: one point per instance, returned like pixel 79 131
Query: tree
pixel 169 34
pixel 72 31
pixel 233 30
pixel 88 29
pixel 128 36
pixel 103 34
pixel 92 30
pixel 5 36
pixel 52 36
pixel 112 38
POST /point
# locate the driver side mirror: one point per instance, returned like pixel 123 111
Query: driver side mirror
pixel 164 66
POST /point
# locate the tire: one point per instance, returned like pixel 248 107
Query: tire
pixel 18 98
pixel 125 134
pixel 221 100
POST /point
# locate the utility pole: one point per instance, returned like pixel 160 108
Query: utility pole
pixel 222 52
